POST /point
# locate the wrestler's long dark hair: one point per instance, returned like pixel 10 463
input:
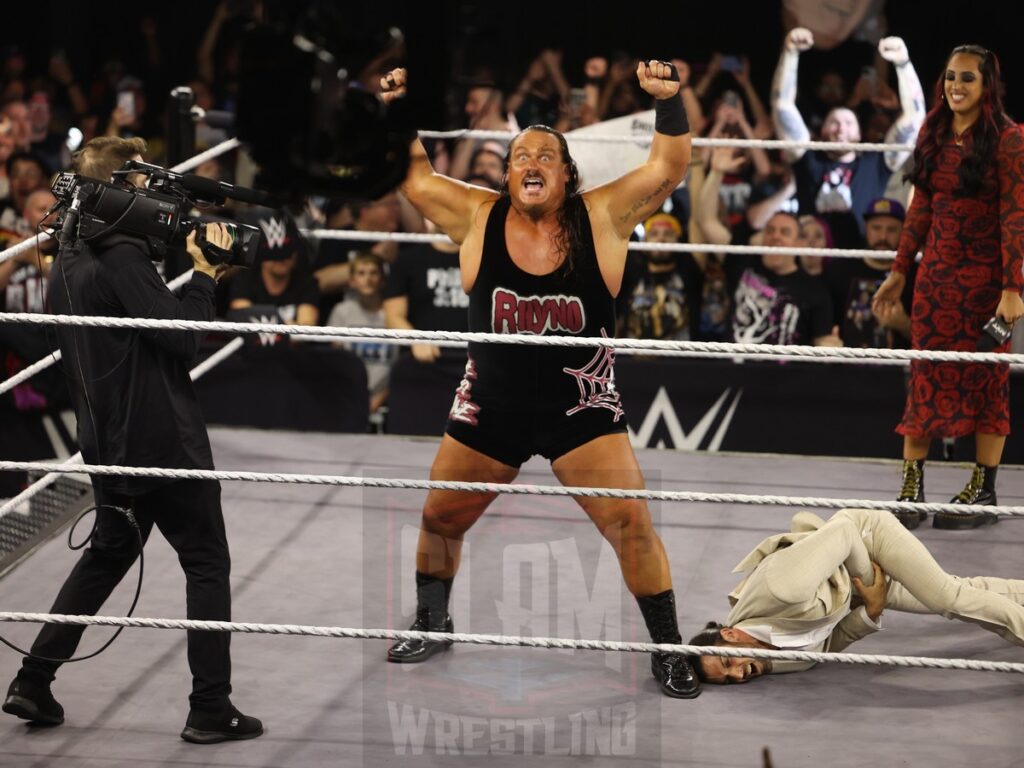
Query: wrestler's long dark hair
pixel 710 635
pixel 938 124
pixel 572 216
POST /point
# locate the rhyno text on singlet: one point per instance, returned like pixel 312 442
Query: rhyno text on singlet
pixel 513 313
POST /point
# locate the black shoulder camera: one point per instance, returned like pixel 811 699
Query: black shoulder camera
pixel 160 214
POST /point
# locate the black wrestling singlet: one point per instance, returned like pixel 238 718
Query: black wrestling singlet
pixel 507 300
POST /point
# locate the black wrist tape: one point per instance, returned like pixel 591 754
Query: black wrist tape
pixel 670 116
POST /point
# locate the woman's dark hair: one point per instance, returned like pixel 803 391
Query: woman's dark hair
pixel 938 124
pixel 572 216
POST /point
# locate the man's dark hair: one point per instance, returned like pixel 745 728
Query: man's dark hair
pixel 710 635
pixel 790 214
pixel 101 156
pixel 572 216
pixel 482 181
pixel 22 156
pixel 483 151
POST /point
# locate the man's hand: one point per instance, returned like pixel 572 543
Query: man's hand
pixel 831 340
pixel 595 68
pixel 216 234
pixel 894 49
pixel 875 595
pixel 60 70
pixel 654 78
pixel 425 353
pixel 742 75
pixel 723 160
pixel 889 291
pixel 392 85
pixel 799 39
pixel 893 316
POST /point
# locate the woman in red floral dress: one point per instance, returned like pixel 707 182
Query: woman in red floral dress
pixel 968 214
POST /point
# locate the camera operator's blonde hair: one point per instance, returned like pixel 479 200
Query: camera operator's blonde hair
pixel 101 156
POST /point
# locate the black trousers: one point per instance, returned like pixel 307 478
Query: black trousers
pixel 188 514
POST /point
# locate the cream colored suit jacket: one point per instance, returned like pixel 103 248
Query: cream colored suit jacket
pixel 754 601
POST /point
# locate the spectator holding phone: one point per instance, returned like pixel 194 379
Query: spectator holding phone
pixel 738 67
pixel 126 119
pixel 541 94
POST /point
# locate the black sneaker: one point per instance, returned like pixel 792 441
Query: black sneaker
pixel 214 726
pixel 415 651
pixel 675 676
pixel 33 702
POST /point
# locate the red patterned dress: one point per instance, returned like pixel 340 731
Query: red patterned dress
pixel 972 252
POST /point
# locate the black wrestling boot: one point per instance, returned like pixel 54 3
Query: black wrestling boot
pixel 673 671
pixel 979 491
pixel 415 651
pixel 912 490
pixel 33 702
pixel 216 725
pixel 432 596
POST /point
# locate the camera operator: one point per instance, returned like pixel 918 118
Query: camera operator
pixel 136 406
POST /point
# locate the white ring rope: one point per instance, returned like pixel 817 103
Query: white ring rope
pixel 216 150
pixel 48 479
pixel 766 354
pixel 24 245
pixel 505 488
pixel 824 146
pixel 418 237
pixel 873 659
pixel 720 348
pixel 43 363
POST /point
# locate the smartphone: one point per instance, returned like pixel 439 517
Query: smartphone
pixel 577 98
pixel 731 64
pixel 126 103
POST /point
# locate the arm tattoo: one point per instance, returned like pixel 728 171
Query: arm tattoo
pixel 643 202
pixel 789 123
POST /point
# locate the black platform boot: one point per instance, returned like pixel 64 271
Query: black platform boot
pixel 913 490
pixel 432 596
pixel 979 491
pixel 675 676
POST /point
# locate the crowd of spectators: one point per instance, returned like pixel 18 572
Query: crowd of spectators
pixel 746 196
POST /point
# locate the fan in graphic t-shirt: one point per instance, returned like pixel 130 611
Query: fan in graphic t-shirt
pixel 664 293
pixel 852 284
pixel 424 292
pixel 781 304
pixel 281 276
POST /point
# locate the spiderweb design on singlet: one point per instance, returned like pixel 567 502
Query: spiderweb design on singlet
pixel 596 381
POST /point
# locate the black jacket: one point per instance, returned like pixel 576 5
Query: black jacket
pixel 141 408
